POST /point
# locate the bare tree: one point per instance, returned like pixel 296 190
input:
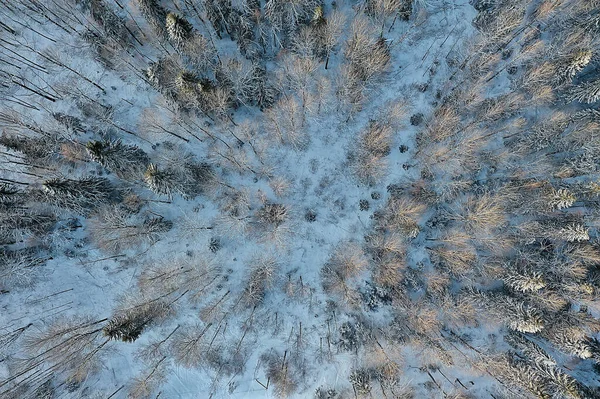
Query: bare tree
pixel 367 55
pixel 346 262
pixel 114 228
pixel 262 275
pixel 281 374
pixel 71 347
pixel 374 144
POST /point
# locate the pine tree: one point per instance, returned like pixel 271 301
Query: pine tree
pixel 405 10
pixel 37 150
pixel 156 225
pixel 72 123
pixel 563 384
pixel 561 199
pixel 19 223
pixel 591 190
pixel 572 340
pixel 129 325
pixel 326 393
pixel 519 315
pixel 155 14
pixel 286 16
pixel 10 195
pixel 108 20
pixel 198 177
pixel 80 195
pixel 243 24
pixel 219 13
pixel 524 282
pixel 588 92
pixel 531 379
pixel 573 64
pixel 540 358
pixel 126 161
pixel 525 319
pixel 18 267
pixel 195 92
pixel 264 94
pixel 179 30
pixel 560 383
pixel 162 75
pixel 45 391
pixel 160 181
pixel 572 233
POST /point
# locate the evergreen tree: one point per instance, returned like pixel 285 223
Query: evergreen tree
pixel 524 318
pixel 72 123
pixel 160 181
pixel 588 92
pixel 524 281
pixel 531 379
pixel 18 267
pixel 37 150
pixel 405 9
pixel 80 195
pixel 21 222
pixel 218 13
pixel 108 20
pixel 264 94
pixel 285 17
pixel 155 14
pixel 129 325
pixel 126 161
pixel 572 340
pixel 156 225
pixel 179 30
pixel 162 75
pixel 540 358
pixel 572 233
pixel 10 195
pixel 561 199
pixel 570 66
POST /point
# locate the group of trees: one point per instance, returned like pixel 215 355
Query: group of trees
pixel 84 154
pixel 505 182
pixel 497 225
